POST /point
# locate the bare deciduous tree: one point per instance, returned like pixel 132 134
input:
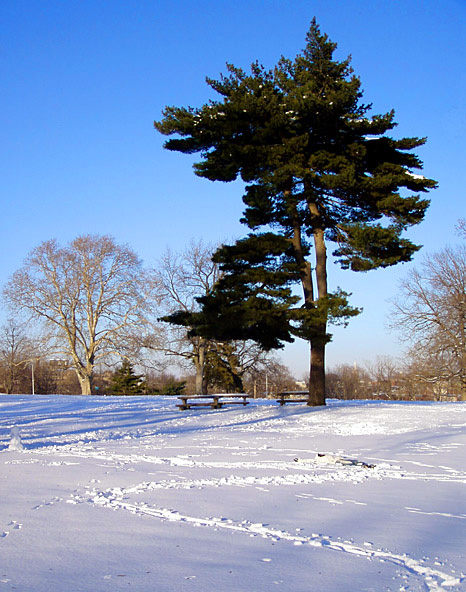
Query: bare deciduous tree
pixel 16 351
pixel 91 295
pixel 347 381
pixel 181 278
pixel 425 378
pixel 383 373
pixel 430 313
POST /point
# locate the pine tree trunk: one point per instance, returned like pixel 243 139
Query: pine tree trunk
pixel 199 362
pixel 319 340
pixel 198 385
pixel 317 374
pixel 317 344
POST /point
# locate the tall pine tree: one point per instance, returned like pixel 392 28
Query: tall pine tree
pixel 318 169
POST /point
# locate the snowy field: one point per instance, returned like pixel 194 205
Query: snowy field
pixel 114 494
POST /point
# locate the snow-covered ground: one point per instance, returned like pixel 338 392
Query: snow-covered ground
pixel 113 494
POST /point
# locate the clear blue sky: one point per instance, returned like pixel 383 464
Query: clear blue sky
pixel 82 82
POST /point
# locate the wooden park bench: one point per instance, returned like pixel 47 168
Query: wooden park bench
pixel 212 401
pixel 292 397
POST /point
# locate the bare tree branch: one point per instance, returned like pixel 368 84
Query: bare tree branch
pixel 430 314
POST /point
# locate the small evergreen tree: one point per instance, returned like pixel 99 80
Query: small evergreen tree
pixel 318 170
pixel 173 388
pixel 126 382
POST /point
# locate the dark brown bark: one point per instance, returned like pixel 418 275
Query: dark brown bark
pixel 306 271
pixel 319 338
pixel 199 363
pixel 317 377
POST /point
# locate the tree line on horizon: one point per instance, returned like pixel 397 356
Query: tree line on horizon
pixel 430 311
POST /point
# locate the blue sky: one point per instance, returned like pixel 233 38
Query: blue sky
pixel 84 80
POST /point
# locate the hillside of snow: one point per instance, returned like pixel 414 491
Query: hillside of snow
pixel 119 493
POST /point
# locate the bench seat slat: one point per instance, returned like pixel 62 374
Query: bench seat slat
pixel 212 401
pixel 284 400
pixel 200 404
